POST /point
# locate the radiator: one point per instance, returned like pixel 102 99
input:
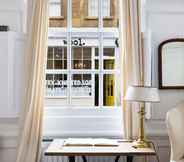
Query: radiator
pixel 78 159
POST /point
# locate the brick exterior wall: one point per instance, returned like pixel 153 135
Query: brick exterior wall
pixel 80 16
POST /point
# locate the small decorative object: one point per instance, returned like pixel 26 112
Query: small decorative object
pixel 4 28
pixel 142 94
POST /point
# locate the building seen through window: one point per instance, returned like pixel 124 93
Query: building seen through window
pixel 83 60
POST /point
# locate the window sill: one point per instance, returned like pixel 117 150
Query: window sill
pixel 85 109
pixel 108 18
pixel 64 97
pixel 96 18
pixel 57 18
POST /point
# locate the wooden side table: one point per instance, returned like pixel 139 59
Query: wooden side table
pixel 124 149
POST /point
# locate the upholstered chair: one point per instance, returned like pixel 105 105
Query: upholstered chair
pixel 175 126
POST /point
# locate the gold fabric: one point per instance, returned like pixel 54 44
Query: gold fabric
pixel 31 116
pixel 132 59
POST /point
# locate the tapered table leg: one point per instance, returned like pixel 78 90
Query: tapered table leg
pixel 84 159
pixel 129 158
pixel 71 159
pixel 117 158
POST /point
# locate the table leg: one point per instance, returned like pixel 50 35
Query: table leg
pixel 71 159
pixel 84 159
pixel 129 158
pixel 117 158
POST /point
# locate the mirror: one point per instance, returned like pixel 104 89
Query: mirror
pixel 171 64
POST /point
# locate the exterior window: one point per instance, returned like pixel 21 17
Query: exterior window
pixel 93 8
pixel 55 8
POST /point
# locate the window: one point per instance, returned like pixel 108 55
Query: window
pixel 83 73
pixel 55 7
pixel 93 8
pixel 82 64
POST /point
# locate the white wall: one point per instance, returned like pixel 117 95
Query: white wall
pixel 164 18
pixel 11 14
pixel 11 53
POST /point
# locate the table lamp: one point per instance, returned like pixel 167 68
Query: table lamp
pixel 142 94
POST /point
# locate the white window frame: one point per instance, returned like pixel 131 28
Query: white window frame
pixel 100 122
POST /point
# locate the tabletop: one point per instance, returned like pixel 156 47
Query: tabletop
pixel 56 148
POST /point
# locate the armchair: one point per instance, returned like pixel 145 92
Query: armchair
pixel 175 127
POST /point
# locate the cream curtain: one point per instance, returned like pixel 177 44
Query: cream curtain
pixel 132 58
pixel 35 60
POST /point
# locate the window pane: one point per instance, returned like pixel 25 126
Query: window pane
pixel 60 58
pixel 50 64
pixel 57 58
pixel 92 8
pixel 55 8
pixel 81 85
pixel 109 64
pixel 56 85
pixel 77 53
pixel 96 52
pixel 49 83
pixel 50 53
pixel 109 58
pixel 81 58
pixel 108 90
pixel 86 53
pixel 106 8
pixel 96 58
pixel 84 90
pixel 58 53
pixel 109 52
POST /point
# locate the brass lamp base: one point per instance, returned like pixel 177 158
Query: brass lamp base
pixel 141 141
pixel 141 144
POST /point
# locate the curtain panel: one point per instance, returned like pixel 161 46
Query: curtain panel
pixel 31 116
pixel 132 59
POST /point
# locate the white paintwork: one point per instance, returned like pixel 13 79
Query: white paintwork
pixel 164 21
pixel 7 41
pixel 11 14
pixel 11 68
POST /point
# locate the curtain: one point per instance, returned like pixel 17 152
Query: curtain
pixel 31 116
pixel 132 59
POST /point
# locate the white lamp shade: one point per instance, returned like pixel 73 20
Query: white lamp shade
pixel 142 94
